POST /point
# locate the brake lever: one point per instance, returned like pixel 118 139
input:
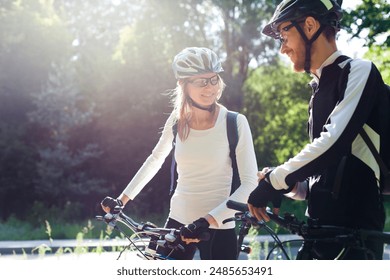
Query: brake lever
pixel 171 241
pixel 253 221
pixel 110 219
pixel 170 237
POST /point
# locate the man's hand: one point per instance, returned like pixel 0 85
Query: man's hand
pixel 261 174
pixel 195 232
pixel 261 196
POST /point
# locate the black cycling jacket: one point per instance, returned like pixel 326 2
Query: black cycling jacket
pixel 342 173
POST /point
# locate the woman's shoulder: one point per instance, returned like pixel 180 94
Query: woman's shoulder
pixel 240 117
pixel 224 111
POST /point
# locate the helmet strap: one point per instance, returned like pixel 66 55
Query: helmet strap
pixel 308 44
pixel 210 108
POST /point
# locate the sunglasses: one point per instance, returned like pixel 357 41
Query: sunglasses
pixel 203 82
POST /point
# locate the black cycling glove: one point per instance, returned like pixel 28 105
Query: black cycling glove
pixel 114 204
pixel 198 229
pixel 265 193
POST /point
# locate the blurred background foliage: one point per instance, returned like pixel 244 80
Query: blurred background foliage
pixel 83 92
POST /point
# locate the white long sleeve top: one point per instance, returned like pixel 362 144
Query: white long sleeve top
pixel 204 170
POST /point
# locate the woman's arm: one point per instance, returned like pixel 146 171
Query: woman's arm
pixel 247 169
pixel 152 164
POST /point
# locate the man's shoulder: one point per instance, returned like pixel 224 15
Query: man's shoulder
pixel 343 62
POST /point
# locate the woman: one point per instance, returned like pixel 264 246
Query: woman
pixel 203 164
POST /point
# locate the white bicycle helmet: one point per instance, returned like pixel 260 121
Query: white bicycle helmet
pixel 194 61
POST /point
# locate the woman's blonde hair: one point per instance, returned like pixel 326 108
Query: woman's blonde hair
pixel 182 107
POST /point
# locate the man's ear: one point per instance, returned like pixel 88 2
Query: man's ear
pixel 311 26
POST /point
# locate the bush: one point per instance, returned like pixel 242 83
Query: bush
pixel 15 229
pixel 70 213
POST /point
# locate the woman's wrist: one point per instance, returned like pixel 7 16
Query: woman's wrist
pixel 124 198
pixel 210 219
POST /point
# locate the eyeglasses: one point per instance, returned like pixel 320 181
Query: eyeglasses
pixel 286 29
pixel 203 82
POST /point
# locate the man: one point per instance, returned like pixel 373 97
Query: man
pixel 336 172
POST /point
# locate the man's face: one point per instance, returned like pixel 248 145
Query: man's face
pixel 292 44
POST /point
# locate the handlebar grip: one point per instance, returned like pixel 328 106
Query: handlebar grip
pixel 242 207
pixel 238 206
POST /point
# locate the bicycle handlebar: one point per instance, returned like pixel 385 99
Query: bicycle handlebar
pixel 242 207
pixel 291 223
pixel 167 237
pixel 312 228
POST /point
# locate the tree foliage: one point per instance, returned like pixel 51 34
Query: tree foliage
pixel 381 57
pixel 276 106
pixel 241 39
pixel 368 21
pixel 24 64
pixel 60 113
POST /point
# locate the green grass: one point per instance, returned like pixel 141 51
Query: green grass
pixel 16 229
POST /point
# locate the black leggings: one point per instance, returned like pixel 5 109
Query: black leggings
pixel 221 246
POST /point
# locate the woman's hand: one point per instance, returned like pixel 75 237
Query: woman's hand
pixel 108 204
pixel 190 233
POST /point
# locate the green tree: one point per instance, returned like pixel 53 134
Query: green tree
pixel 276 101
pixel 368 21
pixel 243 43
pixel 24 65
pixel 17 164
pixel 381 58
pixel 60 112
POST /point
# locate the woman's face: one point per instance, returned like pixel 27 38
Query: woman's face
pixel 204 89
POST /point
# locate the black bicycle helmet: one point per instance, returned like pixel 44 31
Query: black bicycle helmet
pixel 327 12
